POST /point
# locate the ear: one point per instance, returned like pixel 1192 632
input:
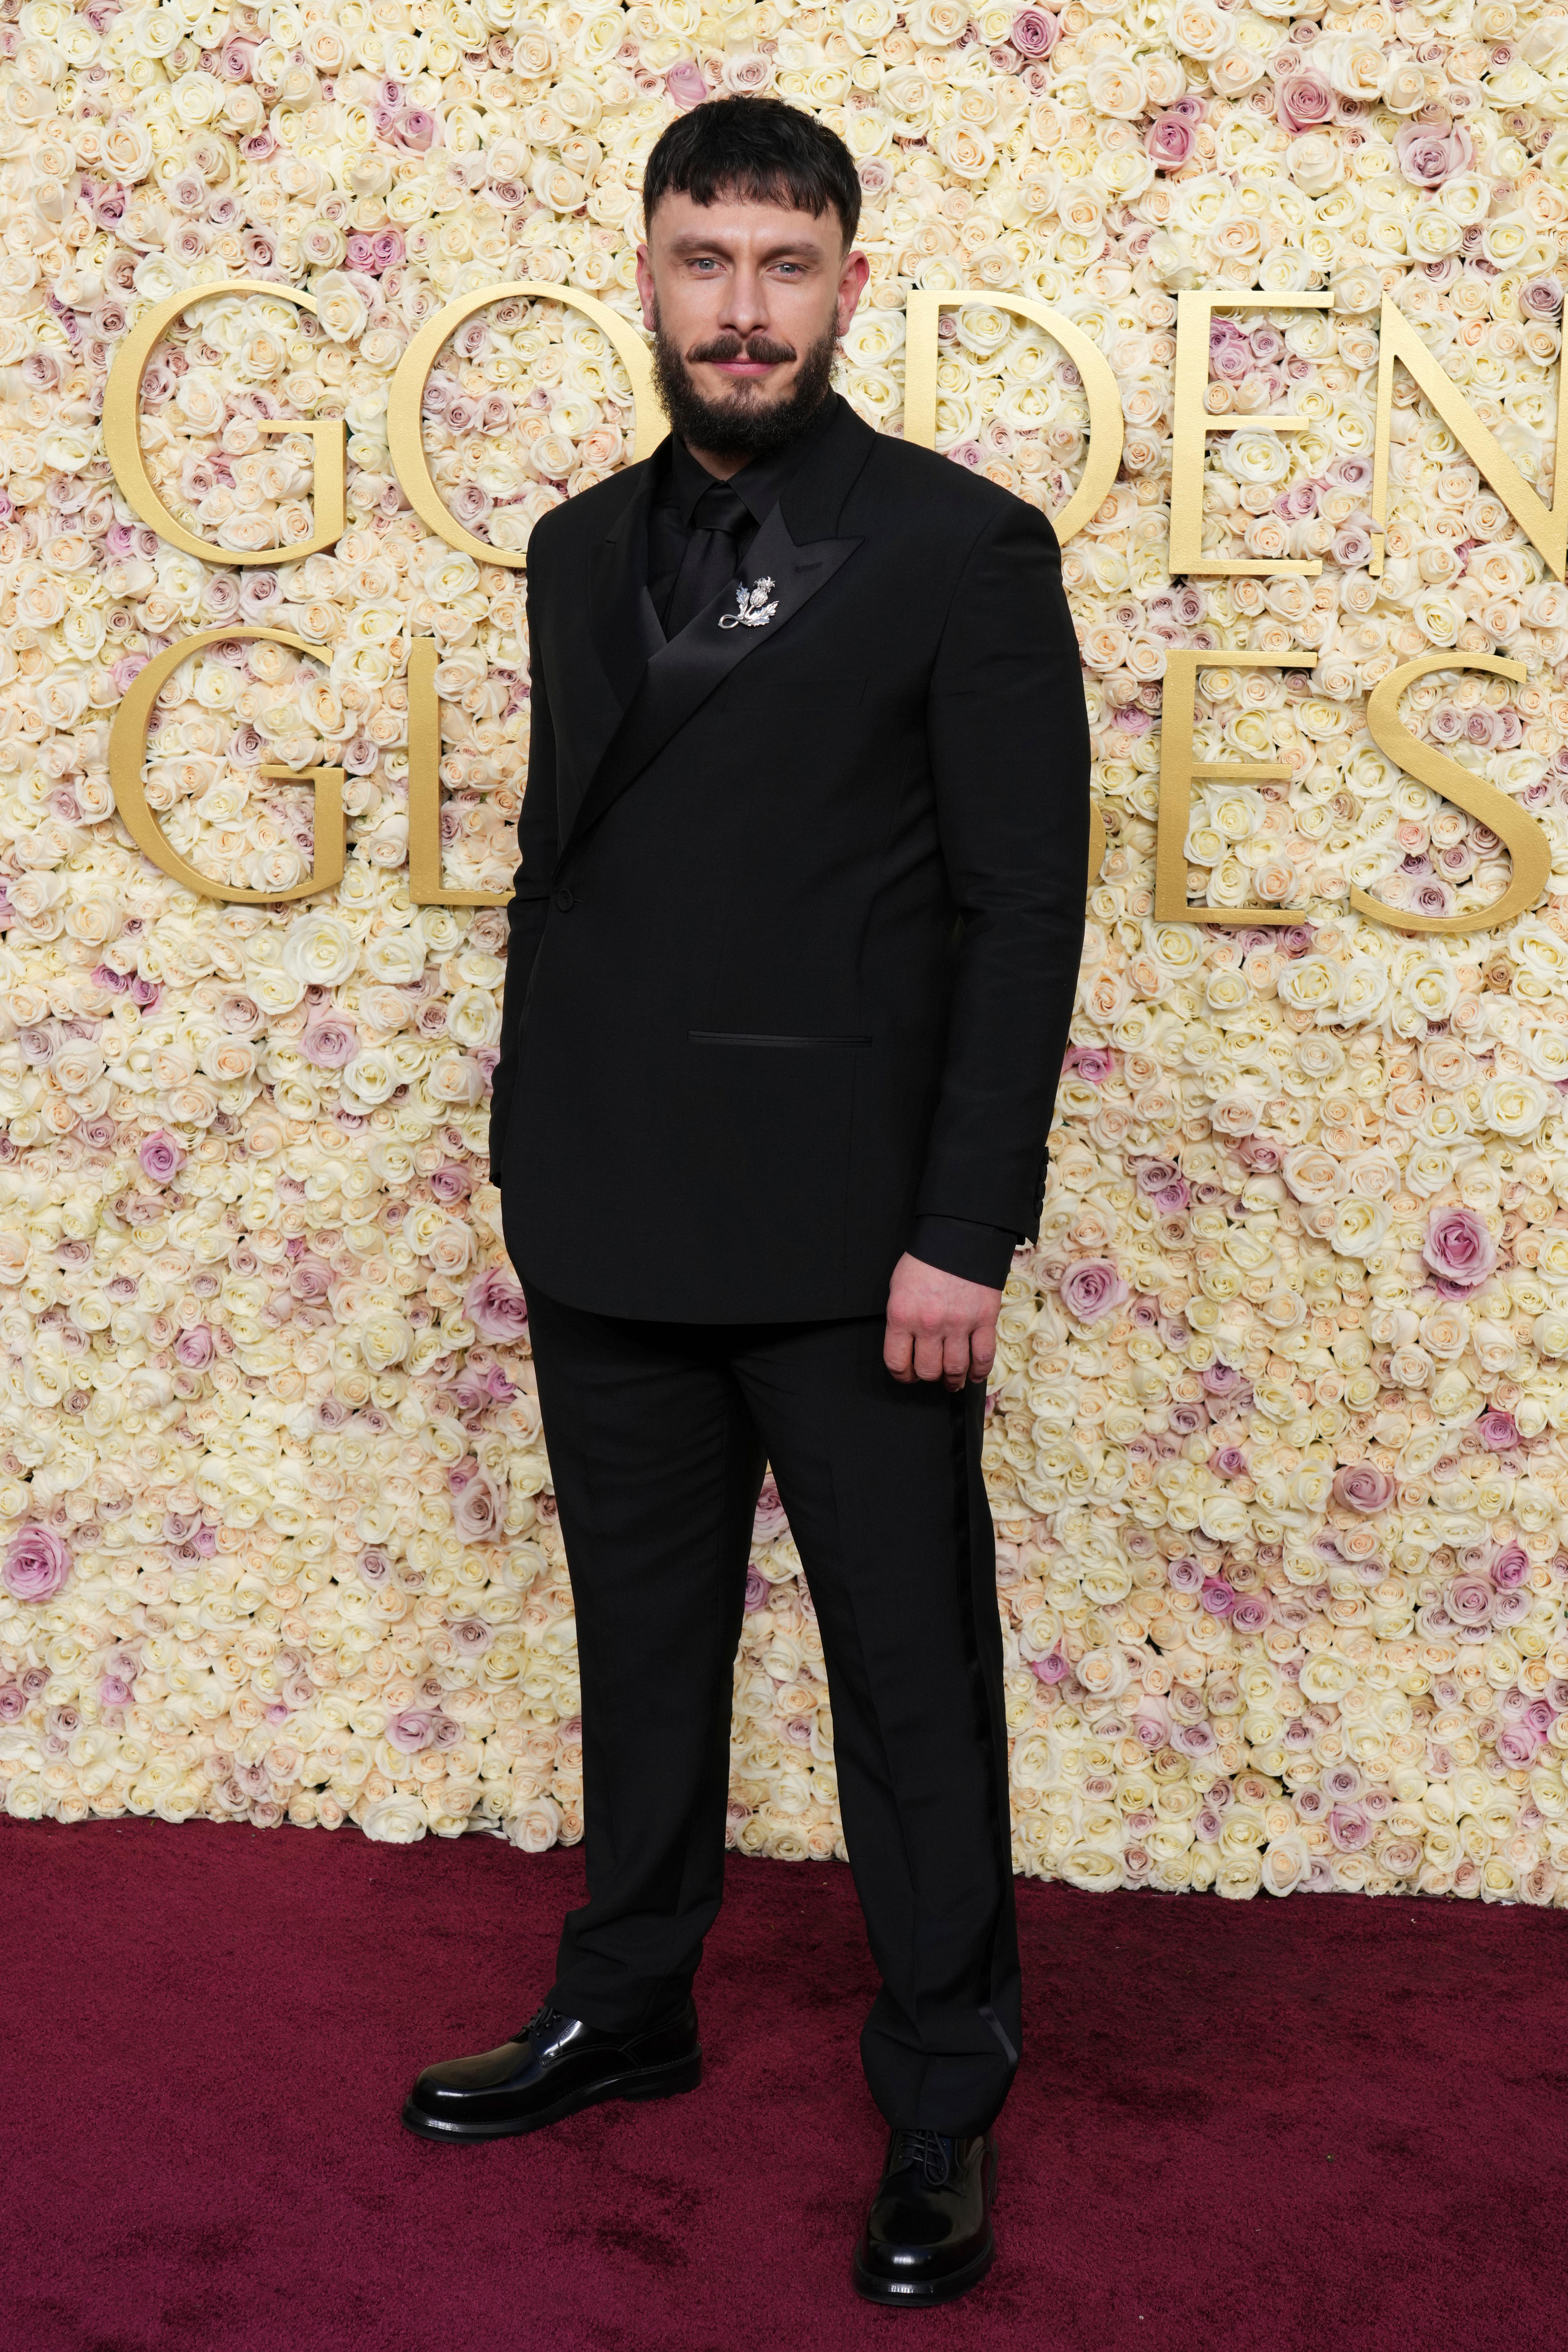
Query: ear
pixel 851 286
pixel 646 294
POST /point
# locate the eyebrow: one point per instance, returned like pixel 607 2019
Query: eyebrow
pixel 689 242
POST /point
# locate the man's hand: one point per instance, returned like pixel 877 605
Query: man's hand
pixel 939 1328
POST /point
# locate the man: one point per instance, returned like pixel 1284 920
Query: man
pixel 794 947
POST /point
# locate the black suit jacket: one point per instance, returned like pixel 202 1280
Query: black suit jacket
pixel 798 924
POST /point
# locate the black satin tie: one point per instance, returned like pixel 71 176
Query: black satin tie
pixel 721 522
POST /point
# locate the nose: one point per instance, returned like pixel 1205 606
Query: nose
pixel 745 305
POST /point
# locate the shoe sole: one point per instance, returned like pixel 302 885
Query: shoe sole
pixel 918 2296
pixel 648 2082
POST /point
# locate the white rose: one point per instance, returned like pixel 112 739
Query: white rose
pixel 397 1819
pixel 1361 1227
pixel 536 1826
pixel 340 307
pixel 1514 1106
pixel 319 950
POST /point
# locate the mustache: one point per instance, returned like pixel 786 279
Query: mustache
pixel 765 351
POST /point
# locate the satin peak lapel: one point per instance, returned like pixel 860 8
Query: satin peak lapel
pixel 779 580
pixel 622 628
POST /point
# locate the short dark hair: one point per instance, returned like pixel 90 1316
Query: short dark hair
pixel 758 149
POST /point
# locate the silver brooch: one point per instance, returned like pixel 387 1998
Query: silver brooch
pixel 752 609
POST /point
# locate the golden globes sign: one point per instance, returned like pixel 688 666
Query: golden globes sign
pixel 1546 527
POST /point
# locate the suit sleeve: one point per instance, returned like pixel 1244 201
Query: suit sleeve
pixel 1008 739
pixel 537 846
pixel 955 1245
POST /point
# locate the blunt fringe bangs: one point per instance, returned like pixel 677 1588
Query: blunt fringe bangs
pixel 760 149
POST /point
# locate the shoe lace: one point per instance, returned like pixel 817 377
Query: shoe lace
pixel 930 2152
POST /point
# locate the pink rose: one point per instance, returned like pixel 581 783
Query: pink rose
pixel 1516 1747
pixel 1092 1064
pixel 328 1041
pixel 1153 1177
pixel 1468 1601
pixel 1303 103
pixel 1195 1738
pixel 1511 1568
pixel 496 1307
pixel 1362 1486
pixel 193 1348
pixel 1091 1289
pixel 310 1279
pixel 1459 1248
pixel 1168 142
pixel 685 84
pixel 1497 1431
pixel 411 1730
pixel 1035 33
pixel 160 1157
pixel 1429 151
pixel 769 1522
pixel 476 1505
pixel 37 1564
pixel 1151 1721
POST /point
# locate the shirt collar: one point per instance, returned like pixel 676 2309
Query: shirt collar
pixel 759 485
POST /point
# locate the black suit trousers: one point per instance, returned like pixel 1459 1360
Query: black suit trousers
pixel 658 1436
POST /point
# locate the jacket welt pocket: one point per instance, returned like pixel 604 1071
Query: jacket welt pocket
pixel 747 1037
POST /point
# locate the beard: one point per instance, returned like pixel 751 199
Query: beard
pixel 741 425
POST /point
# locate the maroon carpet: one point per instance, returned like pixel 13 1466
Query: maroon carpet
pixel 1310 2126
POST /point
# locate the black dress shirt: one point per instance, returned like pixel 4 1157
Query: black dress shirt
pixel 955 1245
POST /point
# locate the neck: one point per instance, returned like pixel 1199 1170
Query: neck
pixel 721 467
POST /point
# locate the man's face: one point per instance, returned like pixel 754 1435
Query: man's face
pixel 742 295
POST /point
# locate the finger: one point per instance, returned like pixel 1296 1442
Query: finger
pixel 955 1358
pixel 897 1348
pixel 982 1351
pixel 928 1356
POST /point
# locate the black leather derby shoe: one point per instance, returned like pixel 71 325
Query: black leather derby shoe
pixel 928 2237
pixel 557 2065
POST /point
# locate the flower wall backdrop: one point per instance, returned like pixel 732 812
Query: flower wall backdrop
pixel 1277 1442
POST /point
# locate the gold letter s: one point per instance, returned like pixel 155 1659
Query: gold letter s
pixel 1514 826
